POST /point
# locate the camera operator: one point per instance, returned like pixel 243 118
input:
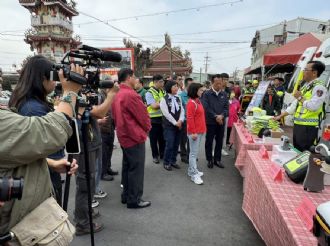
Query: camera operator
pixel 30 99
pixel 94 144
pixel 27 143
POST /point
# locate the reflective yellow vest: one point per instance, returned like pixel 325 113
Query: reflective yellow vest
pixel 304 116
pixel 157 95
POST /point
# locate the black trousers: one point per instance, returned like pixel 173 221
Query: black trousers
pixel 81 206
pixel 228 134
pixel 157 142
pixel 184 144
pixel 133 172
pixel 214 132
pixel 304 136
pixel 107 149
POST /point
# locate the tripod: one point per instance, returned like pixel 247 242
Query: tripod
pixel 84 129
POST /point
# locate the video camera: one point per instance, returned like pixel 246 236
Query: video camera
pixel 90 58
pixel 11 188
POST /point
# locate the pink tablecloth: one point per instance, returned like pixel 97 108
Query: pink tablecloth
pixel 272 206
pixel 241 146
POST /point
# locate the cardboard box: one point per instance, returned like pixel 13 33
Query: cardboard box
pixel 277 134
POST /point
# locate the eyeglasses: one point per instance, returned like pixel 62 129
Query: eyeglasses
pixel 308 69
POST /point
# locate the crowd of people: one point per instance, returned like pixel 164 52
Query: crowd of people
pixel 176 113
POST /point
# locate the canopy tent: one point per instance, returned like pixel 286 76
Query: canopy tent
pixel 292 51
pixel 284 58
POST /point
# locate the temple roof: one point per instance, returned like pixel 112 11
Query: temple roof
pixel 32 4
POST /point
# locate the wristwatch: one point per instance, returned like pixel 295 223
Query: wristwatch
pixel 299 98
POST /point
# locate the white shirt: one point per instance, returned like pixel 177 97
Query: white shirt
pixel 167 114
pixel 216 92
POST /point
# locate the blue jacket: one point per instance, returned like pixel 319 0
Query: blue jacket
pixel 215 105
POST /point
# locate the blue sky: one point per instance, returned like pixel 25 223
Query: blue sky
pixel 223 57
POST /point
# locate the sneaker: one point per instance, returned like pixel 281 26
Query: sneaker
pixel 121 186
pixel 95 204
pixel 224 153
pixel 100 194
pixel 197 180
pixel 86 230
pixel 155 160
pixel 200 174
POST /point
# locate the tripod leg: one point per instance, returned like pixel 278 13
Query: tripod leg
pixel 84 129
pixel 67 186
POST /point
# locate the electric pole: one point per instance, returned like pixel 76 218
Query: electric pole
pixel 207 59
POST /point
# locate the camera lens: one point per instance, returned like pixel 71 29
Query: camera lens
pixel 11 188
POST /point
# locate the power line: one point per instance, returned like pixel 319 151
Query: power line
pixel 165 12
pixel 113 27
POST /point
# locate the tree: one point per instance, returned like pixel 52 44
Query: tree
pixel 141 56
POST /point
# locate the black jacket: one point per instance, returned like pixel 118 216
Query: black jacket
pixel 215 105
pixel 271 107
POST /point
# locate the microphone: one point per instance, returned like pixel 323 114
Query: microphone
pixel 105 55
pixel 87 48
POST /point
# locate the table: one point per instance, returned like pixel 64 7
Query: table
pixel 271 206
pixel 241 145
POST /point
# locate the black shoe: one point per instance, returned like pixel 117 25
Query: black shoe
pixel 140 204
pixel 185 160
pixel 176 166
pixel 219 164
pixel 86 229
pixel 155 160
pixel 168 167
pixel 210 164
pixel 112 172
pixel 107 177
pixel 123 200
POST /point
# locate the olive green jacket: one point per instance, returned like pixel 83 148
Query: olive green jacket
pixel 25 143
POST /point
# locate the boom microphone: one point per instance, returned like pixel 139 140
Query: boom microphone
pixel 107 55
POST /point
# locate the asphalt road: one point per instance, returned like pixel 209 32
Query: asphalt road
pixel 182 213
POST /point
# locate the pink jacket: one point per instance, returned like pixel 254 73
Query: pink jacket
pixel 234 108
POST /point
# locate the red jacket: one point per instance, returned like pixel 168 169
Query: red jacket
pixel 195 117
pixel 130 116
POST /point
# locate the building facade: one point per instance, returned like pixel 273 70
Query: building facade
pixel 52 29
pixel 267 39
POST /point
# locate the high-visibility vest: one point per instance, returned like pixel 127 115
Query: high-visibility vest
pixel 157 95
pixel 303 116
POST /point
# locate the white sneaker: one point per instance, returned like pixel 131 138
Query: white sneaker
pixel 95 204
pixel 100 194
pixel 200 174
pixel 224 153
pixel 197 180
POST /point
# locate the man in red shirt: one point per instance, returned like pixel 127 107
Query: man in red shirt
pixel 133 124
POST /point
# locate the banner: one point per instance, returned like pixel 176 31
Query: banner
pixel 258 96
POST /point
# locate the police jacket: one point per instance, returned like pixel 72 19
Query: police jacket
pixel 215 104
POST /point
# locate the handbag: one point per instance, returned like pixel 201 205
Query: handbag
pixel 48 224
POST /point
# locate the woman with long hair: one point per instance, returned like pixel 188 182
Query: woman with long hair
pixel 29 98
pixel 196 129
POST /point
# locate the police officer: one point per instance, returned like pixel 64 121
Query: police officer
pixel 308 108
pixel 153 96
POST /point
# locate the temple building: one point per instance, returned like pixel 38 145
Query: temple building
pixel 166 61
pixel 52 29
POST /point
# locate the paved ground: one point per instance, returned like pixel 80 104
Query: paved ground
pixel 182 213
